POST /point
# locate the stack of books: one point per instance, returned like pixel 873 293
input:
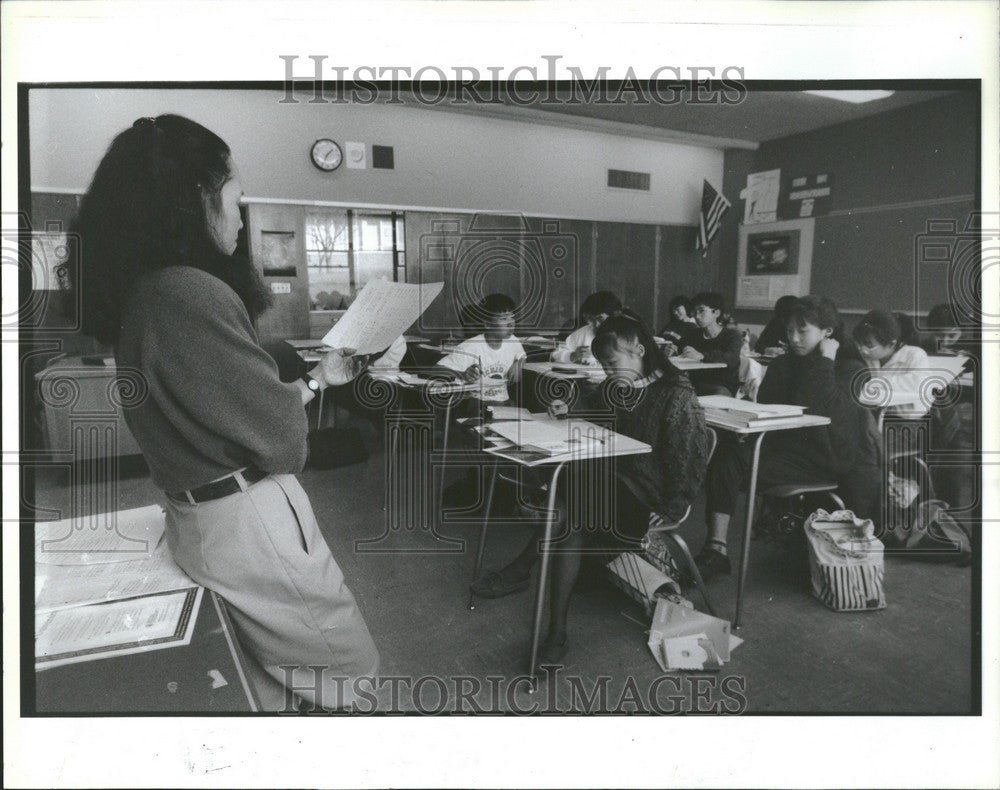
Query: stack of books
pixel 736 413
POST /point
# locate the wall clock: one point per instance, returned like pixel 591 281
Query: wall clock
pixel 326 155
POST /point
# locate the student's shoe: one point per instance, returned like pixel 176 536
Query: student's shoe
pixel 551 653
pixel 493 584
pixel 713 563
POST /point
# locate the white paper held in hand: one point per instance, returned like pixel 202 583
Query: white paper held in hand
pixel 381 312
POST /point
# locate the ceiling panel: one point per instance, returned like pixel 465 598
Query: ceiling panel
pixel 762 115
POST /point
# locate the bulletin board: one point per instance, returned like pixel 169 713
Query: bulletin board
pixel 775 259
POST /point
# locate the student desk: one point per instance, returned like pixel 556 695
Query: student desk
pixel 758 432
pixel 451 392
pixel 613 445
pixel 172 680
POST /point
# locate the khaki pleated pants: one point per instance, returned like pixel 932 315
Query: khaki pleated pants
pixel 262 551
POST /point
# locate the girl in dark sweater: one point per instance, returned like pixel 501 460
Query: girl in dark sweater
pixel 647 399
pixel 820 375
pixel 714 342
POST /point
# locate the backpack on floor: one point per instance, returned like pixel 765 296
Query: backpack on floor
pixel 845 561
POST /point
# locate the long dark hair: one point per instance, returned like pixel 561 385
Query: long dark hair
pixel 145 210
pixel 626 327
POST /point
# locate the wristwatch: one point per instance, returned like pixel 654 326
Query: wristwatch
pixel 311 383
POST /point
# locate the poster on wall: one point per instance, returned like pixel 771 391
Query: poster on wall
pixel 775 259
pixel 49 259
pixel 278 253
pixel 761 197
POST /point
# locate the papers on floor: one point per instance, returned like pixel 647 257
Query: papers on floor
pixel 552 437
pixel 119 536
pixel 746 414
pixel 381 312
pixel 135 625
pixel 68 586
pixel 105 585
pixel 683 638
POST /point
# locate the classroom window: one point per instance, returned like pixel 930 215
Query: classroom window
pixel 345 248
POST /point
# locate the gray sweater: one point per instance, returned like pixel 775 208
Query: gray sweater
pixel 214 402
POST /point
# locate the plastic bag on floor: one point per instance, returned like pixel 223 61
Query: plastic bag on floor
pixel 845 561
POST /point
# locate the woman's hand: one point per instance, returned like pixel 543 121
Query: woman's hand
pixel 692 353
pixel 828 348
pixel 340 366
pixel 558 408
pixel 472 373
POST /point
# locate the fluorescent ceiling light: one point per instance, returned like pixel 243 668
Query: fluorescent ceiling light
pixel 854 97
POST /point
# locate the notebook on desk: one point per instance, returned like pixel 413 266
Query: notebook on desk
pixel 747 414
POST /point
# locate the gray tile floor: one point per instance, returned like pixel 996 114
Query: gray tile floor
pixel 798 657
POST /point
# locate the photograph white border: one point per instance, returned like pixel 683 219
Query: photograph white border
pixel 113 41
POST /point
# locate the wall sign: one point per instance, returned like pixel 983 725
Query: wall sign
pixel 807 196
pixel 775 259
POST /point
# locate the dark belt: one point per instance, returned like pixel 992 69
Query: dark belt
pixel 220 488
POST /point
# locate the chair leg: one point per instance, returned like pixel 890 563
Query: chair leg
pixel 682 546
pixel 482 532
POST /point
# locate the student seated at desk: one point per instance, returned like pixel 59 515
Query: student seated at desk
pixel 714 342
pixel 595 309
pixel 656 404
pixel 681 329
pixel 493 357
pixel 819 374
pixel 879 340
pixel 944 336
pixel 773 336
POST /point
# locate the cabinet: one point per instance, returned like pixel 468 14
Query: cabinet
pixel 82 408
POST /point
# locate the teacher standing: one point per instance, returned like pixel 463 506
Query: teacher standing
pixel 222 435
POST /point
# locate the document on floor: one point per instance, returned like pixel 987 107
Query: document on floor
pixel 68 586
pixel 135 625
pixel 683 638
pixel 381 313
pixel 117 536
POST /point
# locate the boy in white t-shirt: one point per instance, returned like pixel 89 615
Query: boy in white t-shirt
pixel 594 311
pixel 492 358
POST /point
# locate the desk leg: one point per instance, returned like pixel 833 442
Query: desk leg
pixel 747 529
pixel 543 573
pixel 436 519
pixel 319 412
pixel 482 532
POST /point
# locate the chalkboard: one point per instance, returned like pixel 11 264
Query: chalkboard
pixel 871 260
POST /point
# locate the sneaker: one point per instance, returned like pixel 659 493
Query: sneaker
pixel 713 563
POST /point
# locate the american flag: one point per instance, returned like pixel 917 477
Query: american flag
pixel 713 207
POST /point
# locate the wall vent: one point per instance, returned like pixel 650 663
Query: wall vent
pixel 628 179
pixel 382 157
